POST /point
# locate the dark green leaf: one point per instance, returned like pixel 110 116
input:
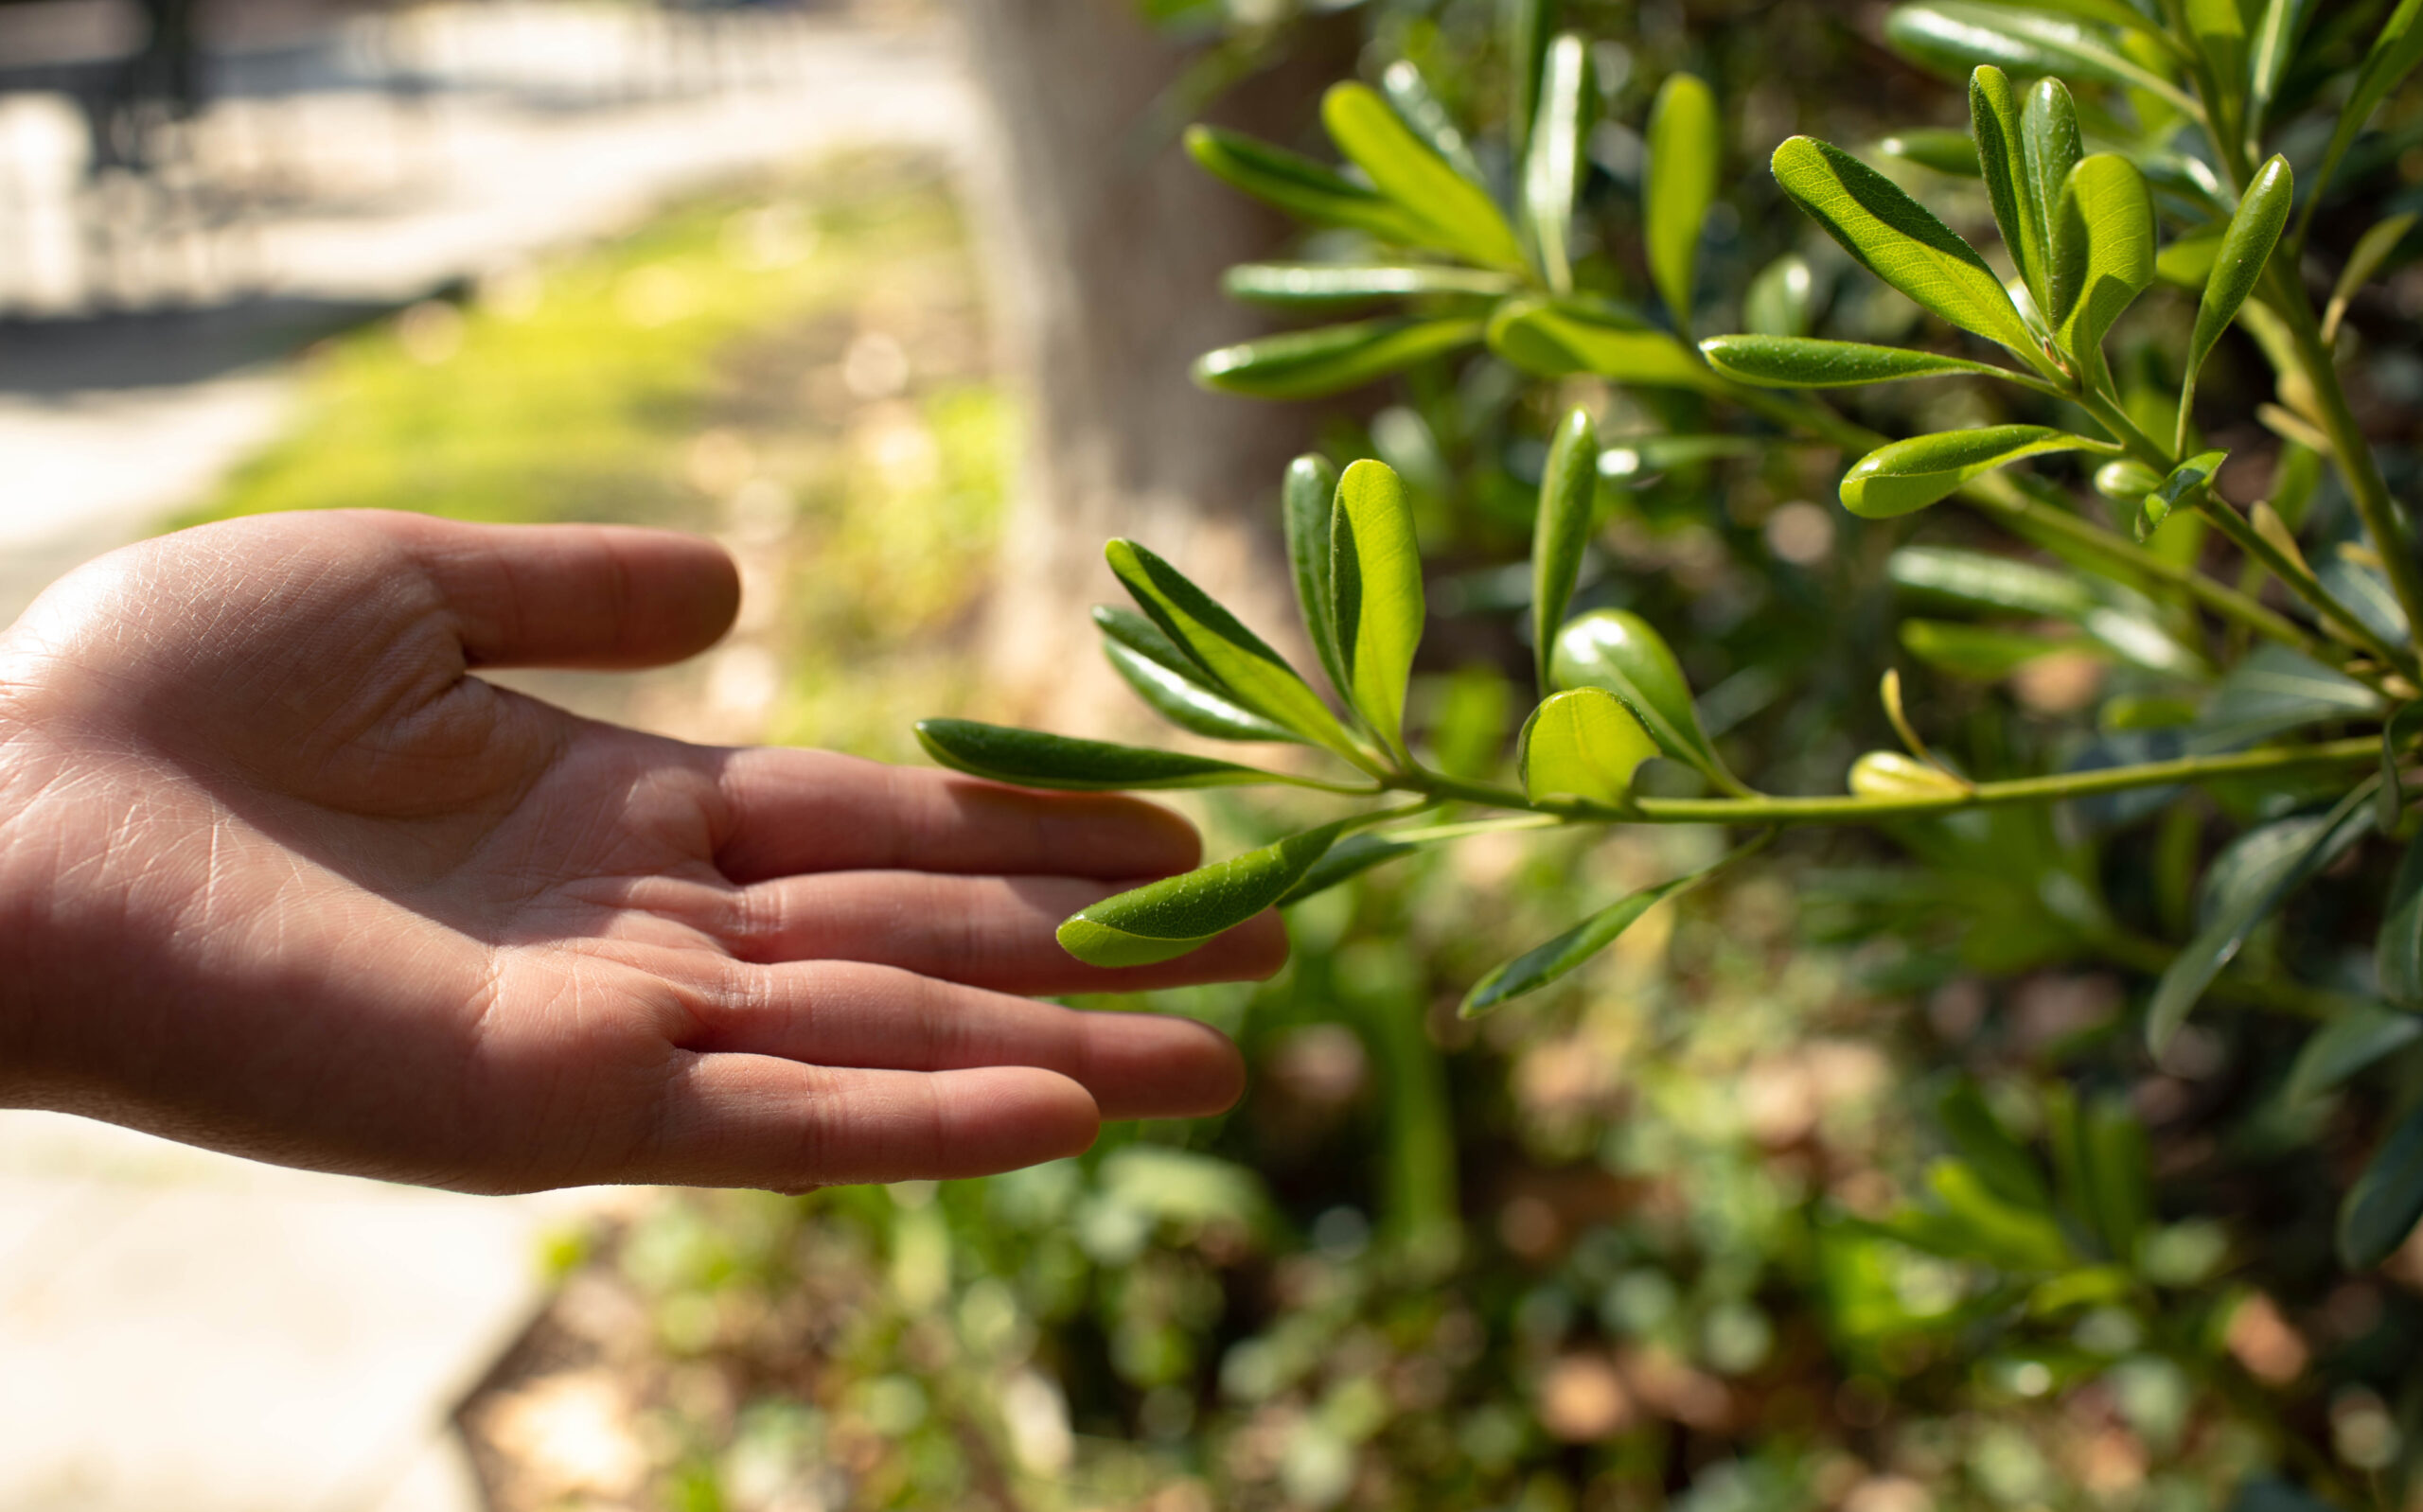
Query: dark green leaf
pixel 2360 1036
pixel 1525 27
pixel 1977 651
pixel 2246 884
pixel 1999 1158
pixel 2275 690
pixel 2001 153
pixel 1325 285
pixel 2184 483
pixel 1682 154
pixel 1617 650
pixel 1779 300
pixel 1554 163
pixel 2387 1199
pixel 1551 338
pixel 1537 967
pixel 1349 858
pixel 2275 42
pixel 1301 186
pixel 1245 665
pixel 1945 151
pixel 1459 215
pixel 2398 953
pixel 1307 501
pixel 1568 486
pixel 1904 476
pixel 2395 737
pixel 2048 137
pixel 1806 362
pixel 1894 238
pixel 2219 29
pixel 2245 250
pixel 1031 758
pixel 1955 36
pixel 1582 742
pixel 1167 919
pixel 1187 703
pixel 2371 250
pixel 1330 359
pixel 1375 594
pixel 2393 54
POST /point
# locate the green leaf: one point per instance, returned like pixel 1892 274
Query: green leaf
pixel 1990 582
pixel 1894 238
pixel 2103 253
pixel 2246 884
pixel 1893 775
pixel 1807 362
pixel 1349 858
pixel 2048 139
pixel 1411 95
pixel 2245 249
pixel 2387 1199
pixel 1164 920
pixel 2398 953
pixel 1780 299
pixel 2105 12
pixel 2186 481
pixel 1307 500
pixel 1326 284
pixel 1186 703
pixel 2116 1174
pixel 1905 476
pixel 2357 1037
pixel 1955 36
pixel 1031 758
pixel 2001 152
pixel 1553 161
pixel 1543 964
pixel 1617 650
pixel 1683 154
pixel 1584 744
pixel 1979 1223
pixel 2372 248
pixel 2392 56
pixel 1330 359
pixel 1976 651
pixel 2126 481
pixel 2275 42
pixel 1375 594
pixel 2219 29
pixel 1646 456
pixel 1551 338
pixel 1247 668
pixel 2274 690
pixel 1458 215
pixel 2005 1165
pixel 2402 728
pixel 2188 263
pixel 1944 150
pixel 1301 186
pixel 1568 487
pixel 1526 24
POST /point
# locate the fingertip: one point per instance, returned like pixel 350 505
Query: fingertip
pixel 1258 946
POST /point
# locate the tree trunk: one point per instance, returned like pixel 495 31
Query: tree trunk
pixel 1105 245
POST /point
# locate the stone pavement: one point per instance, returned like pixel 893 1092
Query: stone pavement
pixel 180 1329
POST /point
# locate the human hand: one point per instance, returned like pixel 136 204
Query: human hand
pixel 278 876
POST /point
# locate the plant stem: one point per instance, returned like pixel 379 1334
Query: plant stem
pixel 2337 618
pixel 1855 809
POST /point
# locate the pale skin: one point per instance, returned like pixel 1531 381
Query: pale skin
pixel 281 874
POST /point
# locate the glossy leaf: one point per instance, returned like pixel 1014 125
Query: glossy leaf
pixel 2102 252
pixel 2359 1037
pixel 1411 95
pixel 1944 150
pixel 1308 496
pixel 1330 359
pixel 1459 215
pixel 1807 362
pixel 2397 737
pixel 1617 650
pixel 2219 28
pixel 2397 952
pixel 1955 36
pixel 1349 858
pixel 2371 250
pixel 1031 758
pixel 1553 161
pixel 1568 488
pixel 1187 703
pixel 1990 582
pixel 2387 1199
pixel 1525 27
pixel 1904 476
pixel 2246 884
pixel 1245 665
pixel 2237 266
pixel 1375 594
pixel 1552 338
pixel 2001 152
pixel 1893 775
pixel 1646 456
pixel 2126 481
pixel 1536 968
pixel 1684 149
pixel 2184 483
pixel 1896 239
pixel 2006 1167
pixel 2048 136
pixel 2275 690
pixel 1780 299
pixel 1167 919
pixel 1584 744
pixel 1976 651
pixel 1326 284
pixel 1302 188
pixel 2273 44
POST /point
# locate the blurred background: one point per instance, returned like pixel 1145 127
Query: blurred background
pixel 896 300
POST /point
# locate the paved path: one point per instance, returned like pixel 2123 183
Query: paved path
pixel 185 1331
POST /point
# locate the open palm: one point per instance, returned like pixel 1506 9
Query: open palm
pixel 279 876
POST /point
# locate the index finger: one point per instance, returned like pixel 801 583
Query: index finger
pixel 797 810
